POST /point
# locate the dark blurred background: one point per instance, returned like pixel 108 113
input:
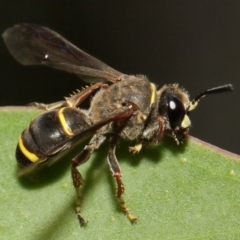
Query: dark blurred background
pixel 193 43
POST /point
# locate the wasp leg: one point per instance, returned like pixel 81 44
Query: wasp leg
pixel 73 101
pixel 115 169
pixel 96 141
pixel 76 99
pixel 46 107
pixel 77 178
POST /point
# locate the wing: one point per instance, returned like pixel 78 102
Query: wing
pixel 36 45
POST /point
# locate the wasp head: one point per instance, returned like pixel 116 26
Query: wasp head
pixel 175 106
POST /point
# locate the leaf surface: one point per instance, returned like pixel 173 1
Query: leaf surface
pixel 178 192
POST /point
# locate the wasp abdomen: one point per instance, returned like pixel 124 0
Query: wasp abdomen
pixel 48 133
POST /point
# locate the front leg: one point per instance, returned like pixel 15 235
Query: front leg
pixel 152 133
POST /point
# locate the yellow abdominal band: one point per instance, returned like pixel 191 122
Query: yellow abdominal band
pixel 64 124
pixel 30 156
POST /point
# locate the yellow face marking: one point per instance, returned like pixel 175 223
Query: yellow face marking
pixel 30 156
pixel 64 124
pixel 153 96
pixel 186 122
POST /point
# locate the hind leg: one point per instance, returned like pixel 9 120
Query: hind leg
pixel 73 101
pixel 77 178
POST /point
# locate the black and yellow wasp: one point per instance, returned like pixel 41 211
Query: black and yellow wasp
pixel 123 106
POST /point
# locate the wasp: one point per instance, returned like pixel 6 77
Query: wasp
pixel 123 106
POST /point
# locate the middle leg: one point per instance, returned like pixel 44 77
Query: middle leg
pixel 116 171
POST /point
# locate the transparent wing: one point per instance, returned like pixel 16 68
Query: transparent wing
pixel 36 45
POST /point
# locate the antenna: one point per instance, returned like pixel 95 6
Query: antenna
pixel 219 89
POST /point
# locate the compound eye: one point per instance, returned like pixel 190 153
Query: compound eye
pixel 176 112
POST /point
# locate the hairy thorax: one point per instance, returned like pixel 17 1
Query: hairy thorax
pixel 136 90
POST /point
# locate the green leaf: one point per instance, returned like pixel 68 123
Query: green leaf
pixel 178 192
